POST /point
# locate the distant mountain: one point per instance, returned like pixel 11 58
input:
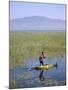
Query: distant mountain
pixel 37 23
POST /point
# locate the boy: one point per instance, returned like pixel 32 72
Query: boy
pixel 41 57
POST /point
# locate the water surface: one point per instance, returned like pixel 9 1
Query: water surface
pixel 24 77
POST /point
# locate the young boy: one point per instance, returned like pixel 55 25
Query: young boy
pixel 41 57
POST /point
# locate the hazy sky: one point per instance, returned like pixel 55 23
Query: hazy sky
pixel 24 9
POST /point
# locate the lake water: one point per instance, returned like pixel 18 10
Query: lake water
pixel 24 77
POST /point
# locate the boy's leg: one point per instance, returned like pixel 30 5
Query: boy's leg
pixel 42 63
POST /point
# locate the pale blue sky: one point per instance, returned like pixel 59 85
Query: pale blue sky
pixel 24 9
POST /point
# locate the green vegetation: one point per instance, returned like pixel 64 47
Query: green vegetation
pixel 30 44
pixel 12 84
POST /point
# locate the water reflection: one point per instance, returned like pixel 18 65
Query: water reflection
pixel 41 77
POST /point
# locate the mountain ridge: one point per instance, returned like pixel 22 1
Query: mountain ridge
pixel 37 23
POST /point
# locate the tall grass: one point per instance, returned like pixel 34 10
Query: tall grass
pixel 30 44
